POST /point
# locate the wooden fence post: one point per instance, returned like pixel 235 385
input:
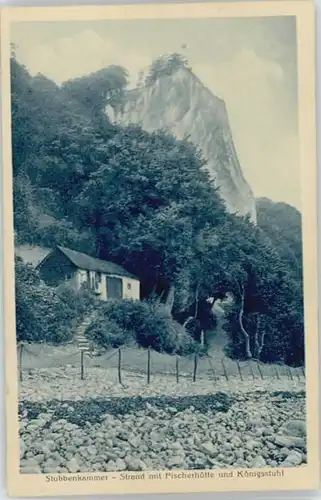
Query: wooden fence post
pixel 239 370
pixel 148 366
pixel 177 368
pixel 119 365
pixel 195 367
pixel 82 364
pixel 277 373
pixel 212 368
pixel 224 369
pixel 289 373
pixel 252 372
pixel 260 371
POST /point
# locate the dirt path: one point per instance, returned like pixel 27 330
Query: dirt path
pixel 217 340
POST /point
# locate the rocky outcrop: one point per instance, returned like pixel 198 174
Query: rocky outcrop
pixel 182 105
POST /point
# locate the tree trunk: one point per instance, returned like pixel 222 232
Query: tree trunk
pixel 158 300
pixel 188 320
pixel 256 338
pixel 170 298
pixel 259 342
pixel 156 283
pixel 244 332
pixel 98 246
pixel 196 300
pixel 98 235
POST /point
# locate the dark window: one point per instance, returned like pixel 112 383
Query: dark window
pixel 114 288
pixel 129 286
pixel 97 280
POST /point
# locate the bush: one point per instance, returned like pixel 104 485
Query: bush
pixel 165 65
pixel 81 302
pixel 45 314
pixel 105 333
pixel 41 315
pixel 129 321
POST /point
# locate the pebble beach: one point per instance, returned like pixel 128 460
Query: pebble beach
pixel 68 425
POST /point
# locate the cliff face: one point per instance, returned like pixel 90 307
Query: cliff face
pixel 182 105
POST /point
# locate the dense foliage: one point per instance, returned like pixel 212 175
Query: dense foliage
pixel 143 323
pixel 165 65
pixel 144 201
pixel 282 223
pixel 44 314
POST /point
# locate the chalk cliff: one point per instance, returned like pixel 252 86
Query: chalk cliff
pixel 181 104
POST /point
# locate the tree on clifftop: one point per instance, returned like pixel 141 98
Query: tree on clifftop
pixel 165 65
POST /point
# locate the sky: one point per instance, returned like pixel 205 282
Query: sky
pixel 249 62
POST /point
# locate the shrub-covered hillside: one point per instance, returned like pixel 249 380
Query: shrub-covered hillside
pixel 144 201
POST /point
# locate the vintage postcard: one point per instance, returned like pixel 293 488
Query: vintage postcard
pixel 159 173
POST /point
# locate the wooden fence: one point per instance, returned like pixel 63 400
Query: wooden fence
pixel 151 363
